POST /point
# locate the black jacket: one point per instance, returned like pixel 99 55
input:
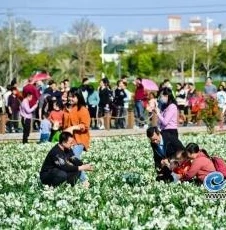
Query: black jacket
pixel 105 95
pixel 171 144
pixel 58 158
pixel 119 97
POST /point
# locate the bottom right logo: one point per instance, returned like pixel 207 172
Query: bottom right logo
pixel 215 183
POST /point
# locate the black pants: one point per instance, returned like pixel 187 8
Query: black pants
pixel 14 124
pixel 36 122
pixel 93 114
pixel 26 123
pixel 55 177
pixel 170 132
pixel 164 174
pixel 119 122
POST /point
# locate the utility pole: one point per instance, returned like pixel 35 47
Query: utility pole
pixel 102 50
pixel 208 21
pixel 10 47
pixel 120 52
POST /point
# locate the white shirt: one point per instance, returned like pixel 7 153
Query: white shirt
pixel 221 98
pixel 127 99
pixel 6 97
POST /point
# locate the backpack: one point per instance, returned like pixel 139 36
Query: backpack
pixel 219 165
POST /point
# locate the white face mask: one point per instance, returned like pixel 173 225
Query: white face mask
pixel 163 100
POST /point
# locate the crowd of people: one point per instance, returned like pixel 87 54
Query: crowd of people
pixel 64 114
pixel 51 99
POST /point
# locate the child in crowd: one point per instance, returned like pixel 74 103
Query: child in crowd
pixel 197 103
pixel 56 118
pixel 181 166
pixel 152 105
pixel 172 168
pixel 93 100
pixel 45 129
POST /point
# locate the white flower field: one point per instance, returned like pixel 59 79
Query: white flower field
pixel 123 193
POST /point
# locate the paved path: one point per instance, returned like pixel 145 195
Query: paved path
pixel 105 133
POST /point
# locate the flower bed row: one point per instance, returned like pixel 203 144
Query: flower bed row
pixel 115 200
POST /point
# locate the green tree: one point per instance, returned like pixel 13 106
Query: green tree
pixel 18 53
pixel 110 70
pixel 222 58
pixel 209 60
pixel 166 64
pixel 34 62
pixel 85 33
pixel 186 49
pixel 182 52
pixel 142 60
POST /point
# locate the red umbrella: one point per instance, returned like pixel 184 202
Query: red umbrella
pixel 150 85
pixel 39 77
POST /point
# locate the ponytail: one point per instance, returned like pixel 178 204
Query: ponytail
pixel 205 153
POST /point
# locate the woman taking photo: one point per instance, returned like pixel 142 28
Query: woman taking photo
pixel 168 116
pixel 76 120
pixel 26 115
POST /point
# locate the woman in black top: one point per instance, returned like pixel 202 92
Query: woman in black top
pixel 119 105
pixel 106 98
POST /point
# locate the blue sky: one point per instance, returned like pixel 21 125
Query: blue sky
pixel 44 16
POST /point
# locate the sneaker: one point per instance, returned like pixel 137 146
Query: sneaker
pixel 102 127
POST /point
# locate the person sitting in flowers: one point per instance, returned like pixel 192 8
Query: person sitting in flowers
pixel 163 145
pixel 173 169
pixel 201 165
pixel 61 165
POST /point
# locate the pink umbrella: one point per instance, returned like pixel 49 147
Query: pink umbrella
pixel 150 85
pixel 39 77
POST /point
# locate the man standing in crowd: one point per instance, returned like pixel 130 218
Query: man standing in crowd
pixel 66 85
pixel 139 99
pixel 210 88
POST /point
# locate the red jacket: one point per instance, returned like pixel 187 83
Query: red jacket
pixel 183 168
pixel 139 93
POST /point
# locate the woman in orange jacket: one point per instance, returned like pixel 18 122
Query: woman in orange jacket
pixel 76 120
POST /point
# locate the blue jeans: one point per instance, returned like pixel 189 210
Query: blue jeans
pixel 77 150
pixel 44 137
pixel 139 112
